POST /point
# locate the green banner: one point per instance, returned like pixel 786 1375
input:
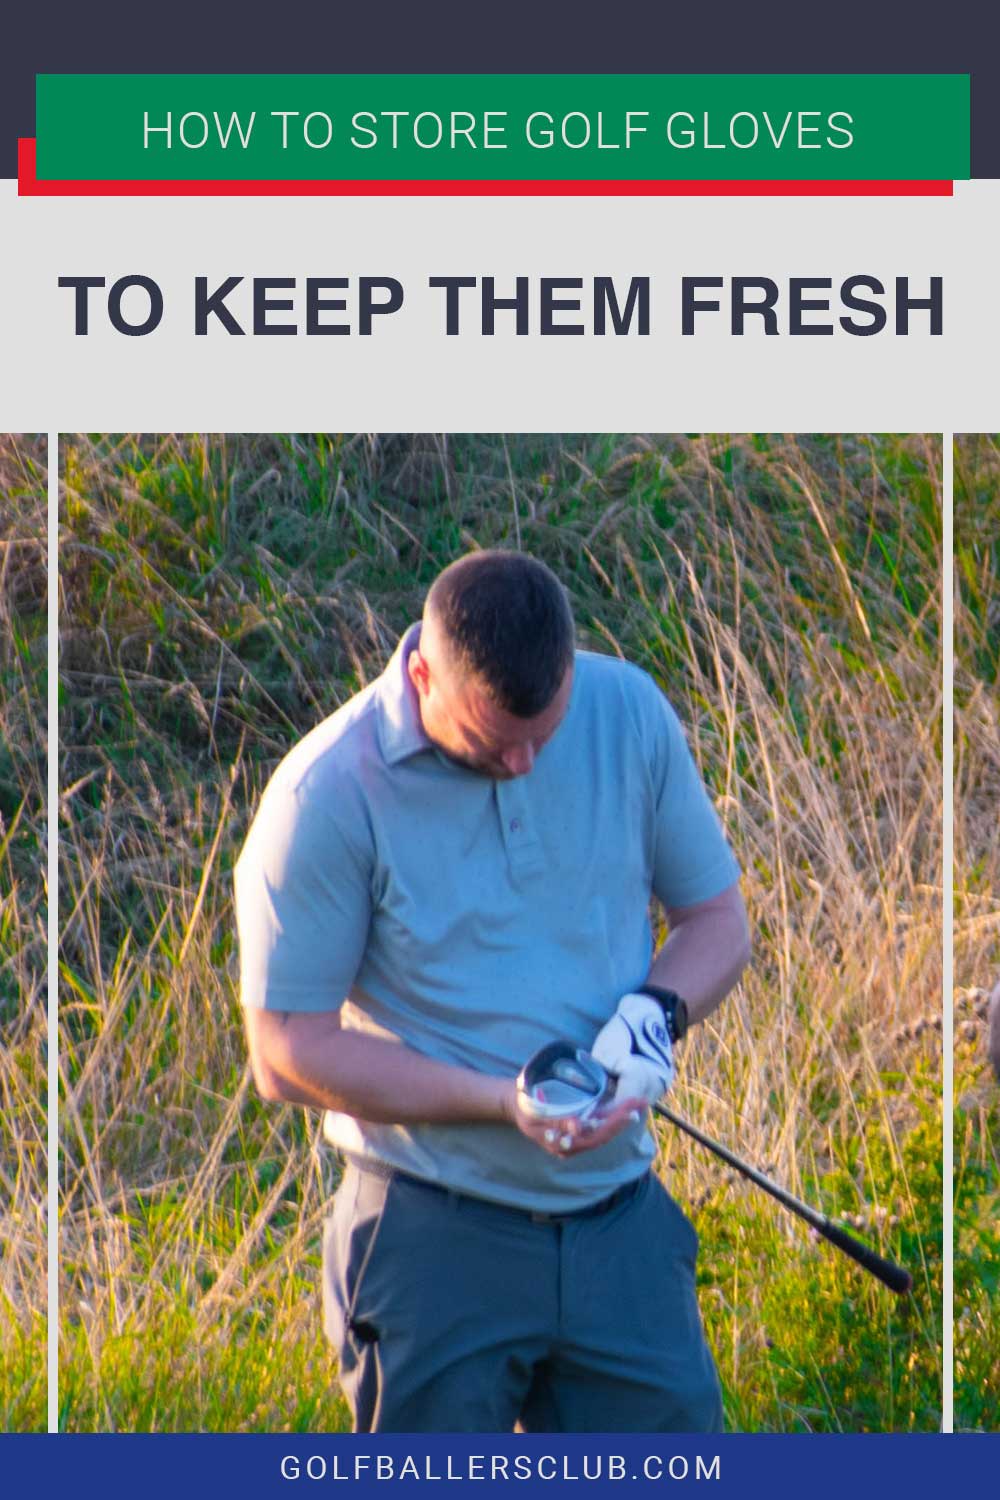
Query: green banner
pixel 502 127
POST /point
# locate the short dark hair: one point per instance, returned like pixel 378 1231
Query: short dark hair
pixel 507 621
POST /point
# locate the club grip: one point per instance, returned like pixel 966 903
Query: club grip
pixel 893 1276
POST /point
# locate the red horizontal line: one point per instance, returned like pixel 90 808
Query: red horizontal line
pixel 30 186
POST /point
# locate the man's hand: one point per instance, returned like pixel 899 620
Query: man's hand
pixel 570 1136
pixel 635 1047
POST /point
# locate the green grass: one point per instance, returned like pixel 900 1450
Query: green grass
pixel 977 929
pixel 22 934
pixel 220 595
pixel 977 1258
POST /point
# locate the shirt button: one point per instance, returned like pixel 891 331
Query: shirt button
pixel 515 825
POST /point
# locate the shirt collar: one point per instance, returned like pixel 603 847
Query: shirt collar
pixel 400 732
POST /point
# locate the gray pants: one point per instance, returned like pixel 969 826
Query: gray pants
pixel 451 1314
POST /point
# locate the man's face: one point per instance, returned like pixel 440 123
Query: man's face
pixel 461 719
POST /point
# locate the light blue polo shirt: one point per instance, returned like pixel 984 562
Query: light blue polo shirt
pixel 474 919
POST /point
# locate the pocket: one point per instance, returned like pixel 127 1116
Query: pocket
pixel 350 1235
pixel 681 1231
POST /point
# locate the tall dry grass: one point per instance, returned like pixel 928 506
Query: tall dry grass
pixel 219 595
pixel 977 927
pixel 22 932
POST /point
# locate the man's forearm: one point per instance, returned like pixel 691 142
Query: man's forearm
pixel 706 952
pixel 307 1059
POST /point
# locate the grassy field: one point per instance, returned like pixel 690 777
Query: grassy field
pixel 219 596
pixel 22 933
pixel 977 929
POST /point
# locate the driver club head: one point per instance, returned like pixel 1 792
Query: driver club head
pixel 562 1080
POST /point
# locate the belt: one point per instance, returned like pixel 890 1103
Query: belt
pixel 388 1173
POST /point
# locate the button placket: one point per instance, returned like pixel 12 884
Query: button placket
pixel 516 827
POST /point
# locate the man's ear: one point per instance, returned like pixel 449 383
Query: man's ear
pixel 419 672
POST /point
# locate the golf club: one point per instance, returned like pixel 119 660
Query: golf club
pixel 563 1080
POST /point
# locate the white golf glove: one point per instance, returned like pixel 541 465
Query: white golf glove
pixel 635 1046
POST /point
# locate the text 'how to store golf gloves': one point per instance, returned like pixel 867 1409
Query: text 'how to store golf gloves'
pixel 635 1046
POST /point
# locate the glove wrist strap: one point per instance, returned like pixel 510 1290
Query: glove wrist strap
pixel 675 1011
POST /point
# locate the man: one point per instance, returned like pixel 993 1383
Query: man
pixel 993 1041
pixel 450 872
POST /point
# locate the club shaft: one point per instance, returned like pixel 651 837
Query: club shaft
pixel 804 1210
pixel 891 1275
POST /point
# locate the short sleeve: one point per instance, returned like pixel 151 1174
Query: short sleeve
pixel 303 900
pixel 692 860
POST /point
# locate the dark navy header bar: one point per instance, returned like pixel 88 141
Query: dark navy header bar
pixel 452 37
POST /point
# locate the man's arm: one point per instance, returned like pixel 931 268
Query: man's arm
pixel 994 1035
pixel 706 952
pixel 306 1057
